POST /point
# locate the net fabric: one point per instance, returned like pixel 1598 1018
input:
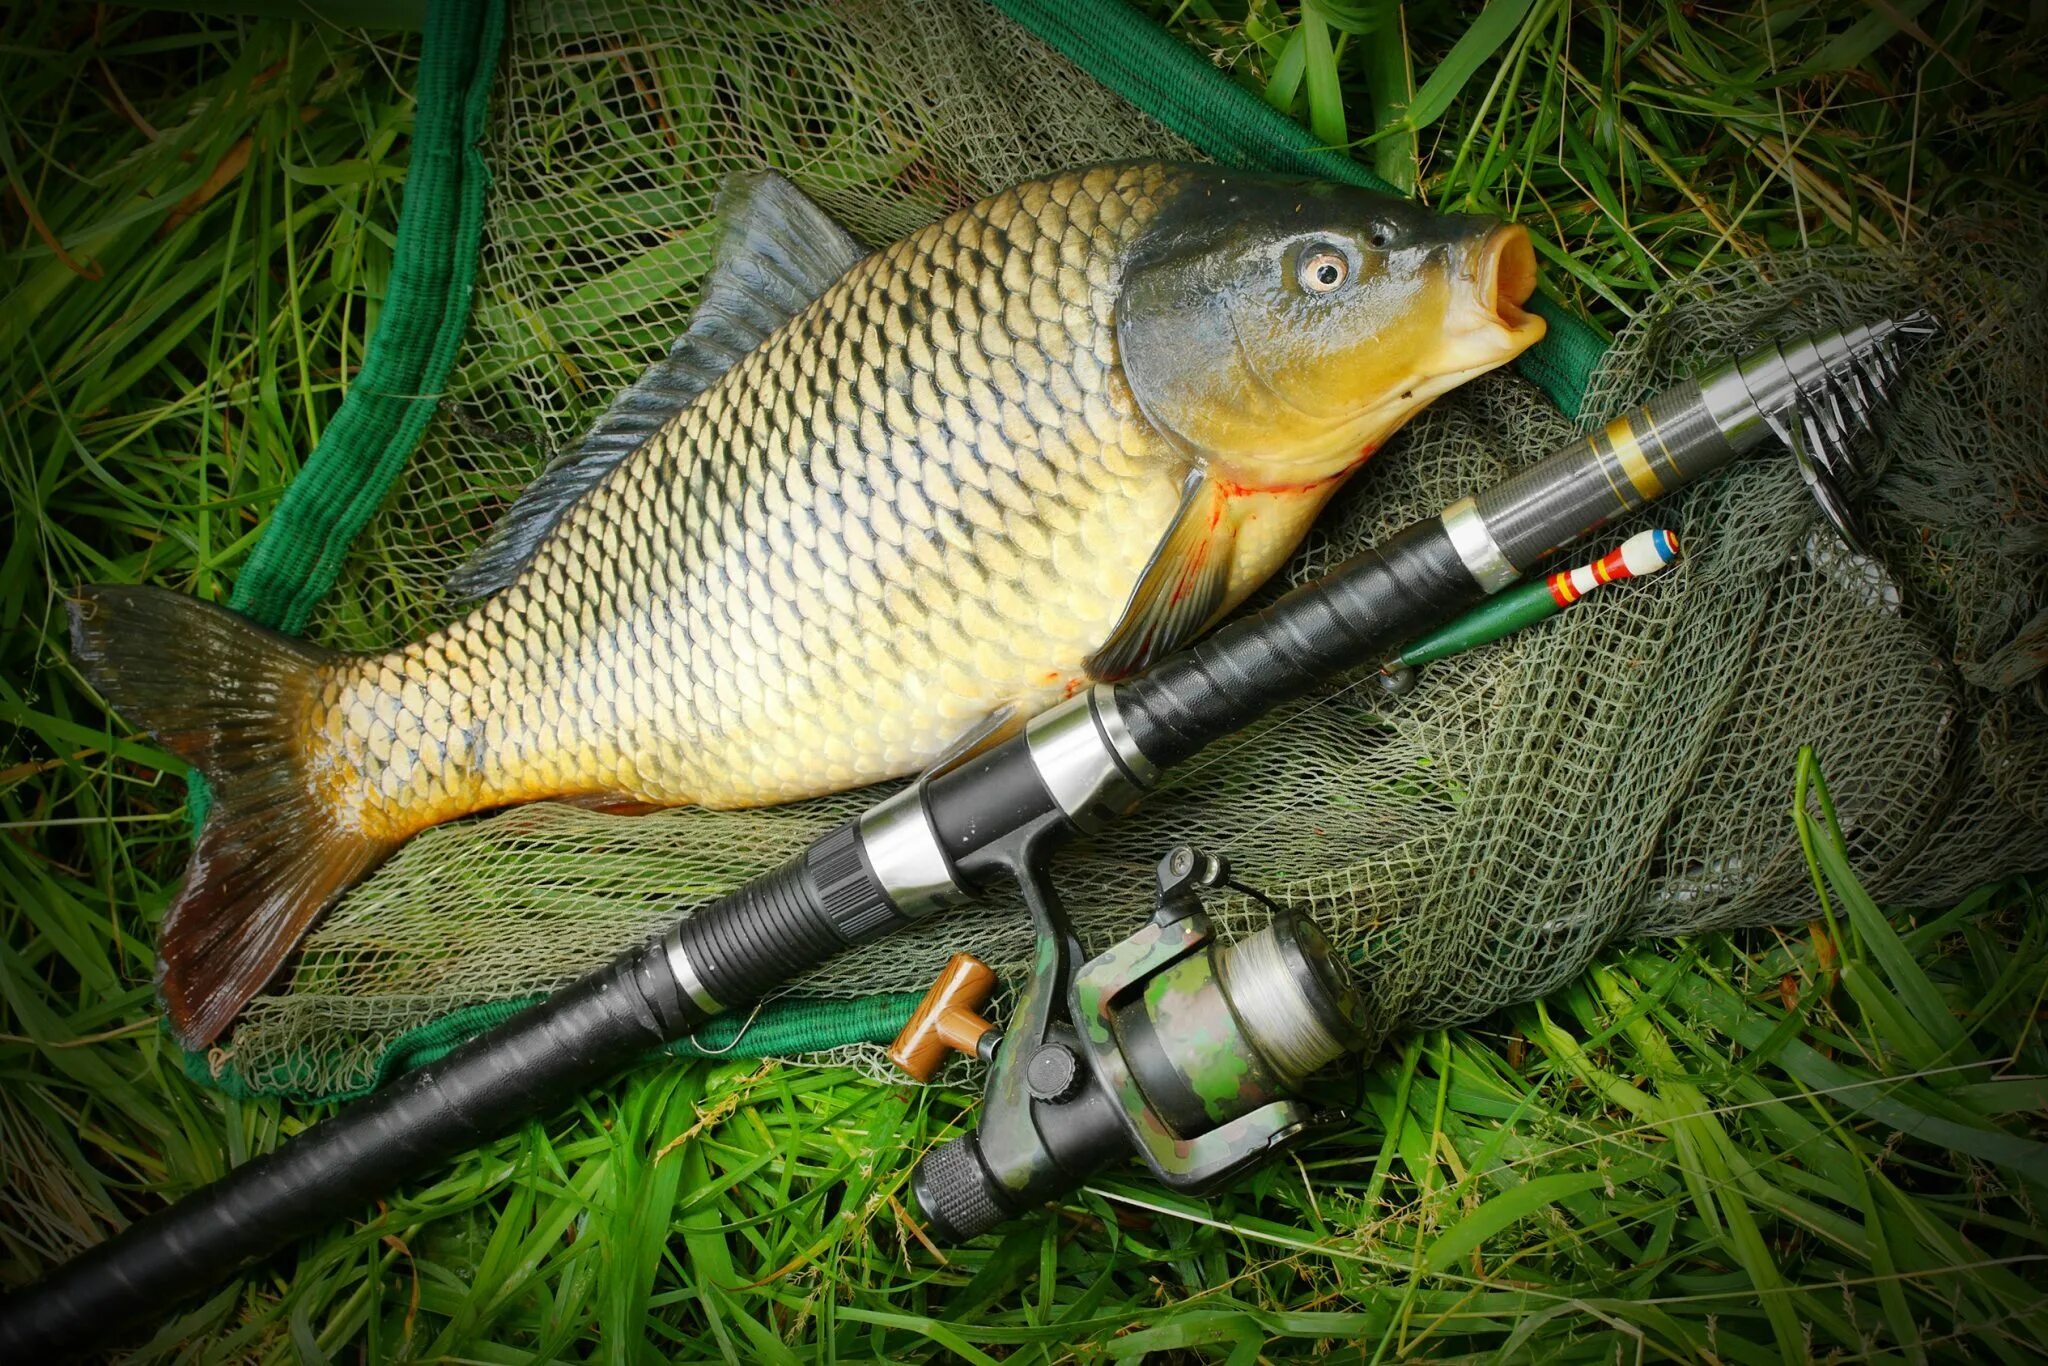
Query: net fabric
pixel 1624 769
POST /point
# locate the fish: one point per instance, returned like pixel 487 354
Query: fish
pixel 871 512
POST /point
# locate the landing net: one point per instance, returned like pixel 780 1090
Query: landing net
pixel 1623 770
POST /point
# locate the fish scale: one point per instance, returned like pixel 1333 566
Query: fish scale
pixel 744 611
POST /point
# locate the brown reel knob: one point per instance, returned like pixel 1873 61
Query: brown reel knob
pixel 947 1017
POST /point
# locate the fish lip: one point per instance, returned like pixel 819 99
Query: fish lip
pixel 1504 278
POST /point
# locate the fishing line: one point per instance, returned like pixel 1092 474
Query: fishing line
pixel 752 1016
pixel 1255 976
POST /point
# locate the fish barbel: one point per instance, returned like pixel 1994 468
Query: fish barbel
pixel 873 510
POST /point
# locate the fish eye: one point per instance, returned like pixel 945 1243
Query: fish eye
pixel 1322 269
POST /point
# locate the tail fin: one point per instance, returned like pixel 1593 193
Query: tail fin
pixel 230 698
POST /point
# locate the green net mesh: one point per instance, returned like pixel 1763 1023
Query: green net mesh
pixel 1623 770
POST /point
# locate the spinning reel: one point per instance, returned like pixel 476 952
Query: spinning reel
pixel 1172 1046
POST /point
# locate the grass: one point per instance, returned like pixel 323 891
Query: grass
pixel 1819 1142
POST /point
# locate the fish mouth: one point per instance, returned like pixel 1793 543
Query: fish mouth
pixel 1504 278
pixel 1489 326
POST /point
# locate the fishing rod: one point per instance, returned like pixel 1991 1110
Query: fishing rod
pixel 1171 1047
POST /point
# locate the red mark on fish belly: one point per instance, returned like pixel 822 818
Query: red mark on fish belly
pixel 1068 687
pixel 1232 490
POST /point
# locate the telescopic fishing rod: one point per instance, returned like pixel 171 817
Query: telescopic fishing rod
pixel 1114 1057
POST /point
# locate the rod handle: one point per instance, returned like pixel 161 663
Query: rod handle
pixel 532 1064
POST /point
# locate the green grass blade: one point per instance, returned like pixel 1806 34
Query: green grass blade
pixel 1487 35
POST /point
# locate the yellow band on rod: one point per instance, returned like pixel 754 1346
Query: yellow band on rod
pixel 1634 463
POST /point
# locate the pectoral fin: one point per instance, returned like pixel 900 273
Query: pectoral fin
pixel 1181 589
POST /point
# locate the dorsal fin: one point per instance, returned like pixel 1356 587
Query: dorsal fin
pixel 777 251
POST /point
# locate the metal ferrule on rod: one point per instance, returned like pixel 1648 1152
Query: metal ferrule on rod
pixel 689 982
pixel 909 862
pixel 1087 760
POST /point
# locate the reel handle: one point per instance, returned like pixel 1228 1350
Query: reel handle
pixel 948 1019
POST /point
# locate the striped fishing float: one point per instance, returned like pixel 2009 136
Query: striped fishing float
pixel 1642 554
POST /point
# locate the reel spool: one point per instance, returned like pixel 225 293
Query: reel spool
pixel 1172 1047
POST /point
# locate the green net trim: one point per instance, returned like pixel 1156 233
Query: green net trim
pixel 779 1028
pixel 425 313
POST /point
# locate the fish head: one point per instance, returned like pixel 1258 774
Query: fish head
pixel 1279 329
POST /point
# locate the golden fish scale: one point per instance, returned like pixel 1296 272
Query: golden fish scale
pixel 925 498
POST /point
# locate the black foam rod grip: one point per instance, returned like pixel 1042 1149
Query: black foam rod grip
pixel 533 1064
pixel 1356 614
pixel 777 927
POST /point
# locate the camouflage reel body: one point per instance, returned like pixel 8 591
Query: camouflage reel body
pixel 1171 1047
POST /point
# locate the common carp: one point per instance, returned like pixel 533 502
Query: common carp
pixel 872 511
